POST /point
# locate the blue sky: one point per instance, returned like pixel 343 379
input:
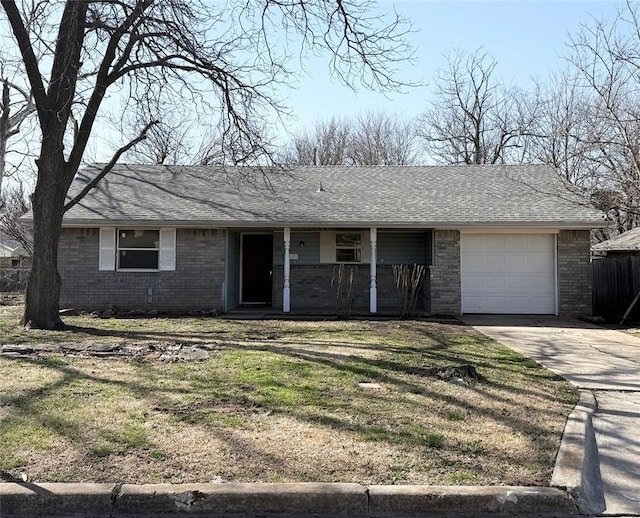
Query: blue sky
pixel 527 39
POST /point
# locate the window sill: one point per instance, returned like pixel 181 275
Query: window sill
pixel 138 270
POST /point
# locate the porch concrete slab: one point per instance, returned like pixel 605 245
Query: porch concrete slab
pixel 604 361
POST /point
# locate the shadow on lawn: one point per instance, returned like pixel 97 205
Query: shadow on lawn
pixel 402 368
pixel 410 360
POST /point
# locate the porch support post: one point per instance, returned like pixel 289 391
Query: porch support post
pixel 373 286
pixel 286 293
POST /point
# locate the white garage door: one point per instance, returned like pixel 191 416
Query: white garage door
pixel 508 273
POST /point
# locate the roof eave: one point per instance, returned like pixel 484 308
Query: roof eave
pixel 94 223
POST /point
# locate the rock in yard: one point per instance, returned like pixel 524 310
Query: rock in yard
pixel 192 354
pixel 16 351
pixel 461 374
pixel 102 347
pixel 374 386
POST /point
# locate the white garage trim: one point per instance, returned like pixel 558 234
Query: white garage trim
pixel 508 273
pixel 508 230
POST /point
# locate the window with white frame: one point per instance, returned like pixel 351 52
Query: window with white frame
pixel 348 247
pixel 138 249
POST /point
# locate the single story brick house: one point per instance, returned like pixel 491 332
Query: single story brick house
pixel 493 239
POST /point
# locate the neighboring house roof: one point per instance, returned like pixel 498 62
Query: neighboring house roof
pixel 385 196
pixel 9 247
pixel 628 241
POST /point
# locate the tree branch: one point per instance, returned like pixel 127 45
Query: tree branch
pixel 114 159
pixel 28 57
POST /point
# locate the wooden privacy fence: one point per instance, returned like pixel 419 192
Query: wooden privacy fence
pixel 13 279
pixel 616 283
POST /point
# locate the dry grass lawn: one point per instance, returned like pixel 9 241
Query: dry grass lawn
pixel 276 401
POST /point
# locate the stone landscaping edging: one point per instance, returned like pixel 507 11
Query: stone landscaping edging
pixel 577 467
pixel 22 500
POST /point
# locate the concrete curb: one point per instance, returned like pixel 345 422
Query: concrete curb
pixel 577 467
pixel 284 500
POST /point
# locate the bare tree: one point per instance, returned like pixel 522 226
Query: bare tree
pixel 381 139
pixel 14 204
pixel 178 139
pixel 372 138
pixel 222 57
pixel 325 145
pixel 474 118
pixel 166 142
pixel 566 129
pixel 222 146
pixel 16 105
pixel 599 117
pixel 211 150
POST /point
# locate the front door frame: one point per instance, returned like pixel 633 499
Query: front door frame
pixel 241 290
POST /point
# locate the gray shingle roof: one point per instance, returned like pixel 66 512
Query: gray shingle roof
pixel 627 241
pixel 430 196
pixel 8 241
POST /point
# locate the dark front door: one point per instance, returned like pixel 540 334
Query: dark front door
pixel 257 268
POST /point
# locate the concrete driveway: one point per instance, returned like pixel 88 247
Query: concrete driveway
pixel 600 360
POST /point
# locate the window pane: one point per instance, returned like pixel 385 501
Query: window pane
pixel 138 259
pixel 138 239
pixel 348 240
pixel 347 255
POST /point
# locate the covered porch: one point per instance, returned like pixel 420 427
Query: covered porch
pixel 326 270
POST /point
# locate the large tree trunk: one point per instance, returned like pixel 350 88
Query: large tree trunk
pixel 43 290
pixel 3 154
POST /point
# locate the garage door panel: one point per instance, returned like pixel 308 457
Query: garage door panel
pixel 517 242
pixel 495 282
pixel 542 283
pixel 517 304
pixel 518 282
pixel 494 263
pixel 517 262
pixel 538 305
pixel 511 273
pixel 474 241
pixel 474 282
pixel 472 262
pixel 539 241
pixel 493 303
pixel 493 242
pixel 475 303
pixel 540 262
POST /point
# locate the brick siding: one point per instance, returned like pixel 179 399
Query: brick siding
pixel 445 273
pixel 311 289
pixel 197 282
pixel 574 273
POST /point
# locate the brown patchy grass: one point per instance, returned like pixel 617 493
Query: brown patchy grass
pixel 277 401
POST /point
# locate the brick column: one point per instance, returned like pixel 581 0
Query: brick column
pixel 445 273
pixel 574 273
